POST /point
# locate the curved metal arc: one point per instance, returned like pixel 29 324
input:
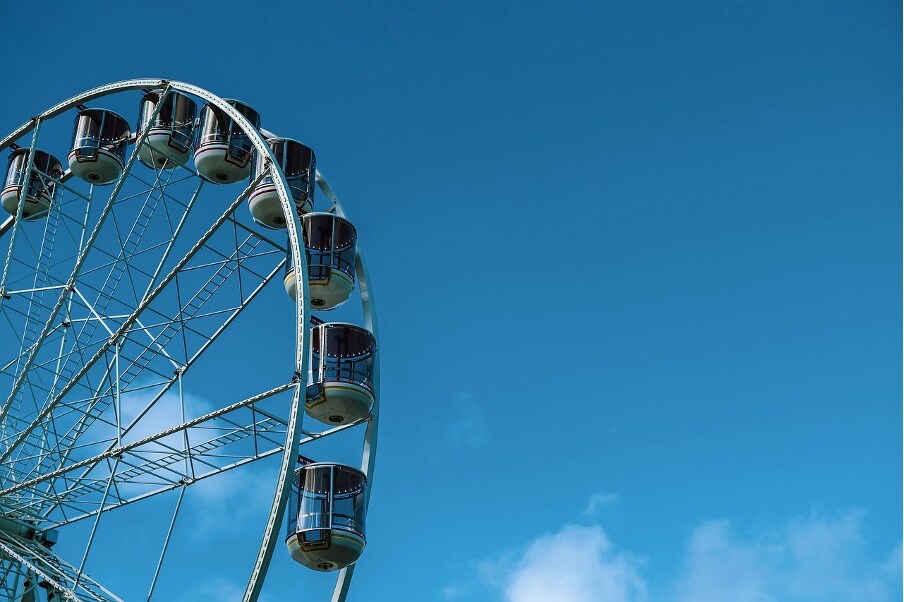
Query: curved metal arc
pixel 184 368
pixel 120 331
pixel 370 322
pixel 293 227
pixel 70 283
pixel 369 452
pixel 7 224
pixel 114 452
pixel 17 219
pixel 131 84
pixel 302 341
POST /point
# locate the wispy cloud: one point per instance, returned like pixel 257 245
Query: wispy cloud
pixel 166 413
pixel 467 427
pixel 577 564
pixel 216 589
pixel 806 559
pixel 222 504
pixel 814 558
pixel 598 502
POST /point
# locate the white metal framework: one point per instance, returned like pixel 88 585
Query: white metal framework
pixel 106 306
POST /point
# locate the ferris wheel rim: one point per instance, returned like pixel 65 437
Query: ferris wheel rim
pixel 303 310
pixel 302 302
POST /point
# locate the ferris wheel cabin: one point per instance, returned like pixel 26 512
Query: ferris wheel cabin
pixel 326 516
pixel 224 153
pixel 327 504
pixel 171 133
pixel 340 388
pixel 297 162
pixel 99 146
pixel 38 193
pixel 329 243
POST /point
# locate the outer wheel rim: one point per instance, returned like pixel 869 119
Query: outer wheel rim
pixel 302 304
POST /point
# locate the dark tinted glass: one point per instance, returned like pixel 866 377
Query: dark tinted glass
pixel 298 164
pixel 218 127
pixel 177 112
pixel 315 485
pixel 323 231
pixel 86 126
pixel 112 127
pixel 295 158
pixel 248 113
pixel 316 480
pixel 347 482
pixel 176 115
pixel 44 163
pixel 342 341
pixel 214 124
pixel 99 128
pixel 349 355
pixel 48 164
pixel 329 244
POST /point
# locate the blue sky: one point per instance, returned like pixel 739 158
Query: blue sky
pixel 638 272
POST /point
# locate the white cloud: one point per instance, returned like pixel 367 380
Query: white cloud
pixel 217 589
pixel 467 427
pixel 577 564
pixel 454 592
pixel 598 502
pixel 811 559
pixel 805 559
pixel 165 414
pixel 223 504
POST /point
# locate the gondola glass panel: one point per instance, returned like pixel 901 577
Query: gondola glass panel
pixel 99 146
pixel 171 133
pixel 38 194
pixel 340 385
pixel 223 151
pixel 297 162
pixel 325 516
pixel 329 243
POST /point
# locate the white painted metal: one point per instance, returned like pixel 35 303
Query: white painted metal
pixel 51 487
pixel 369 456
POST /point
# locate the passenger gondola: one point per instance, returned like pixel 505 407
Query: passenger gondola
pixel 223 150
pixel 340 388
pixel 297 163
pixel 325 518
pixel 330 246
pixel 99 146
pixel 39 192
pixel 171 133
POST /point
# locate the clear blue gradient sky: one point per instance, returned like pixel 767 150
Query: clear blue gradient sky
pixel 638 267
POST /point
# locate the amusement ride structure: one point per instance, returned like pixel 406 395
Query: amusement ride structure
pixel 129 252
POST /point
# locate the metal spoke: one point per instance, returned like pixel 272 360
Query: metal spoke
pixel 107 307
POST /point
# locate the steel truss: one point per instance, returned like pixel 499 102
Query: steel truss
pixel 108 303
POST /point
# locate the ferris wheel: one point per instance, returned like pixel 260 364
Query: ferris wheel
pixel 129 253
